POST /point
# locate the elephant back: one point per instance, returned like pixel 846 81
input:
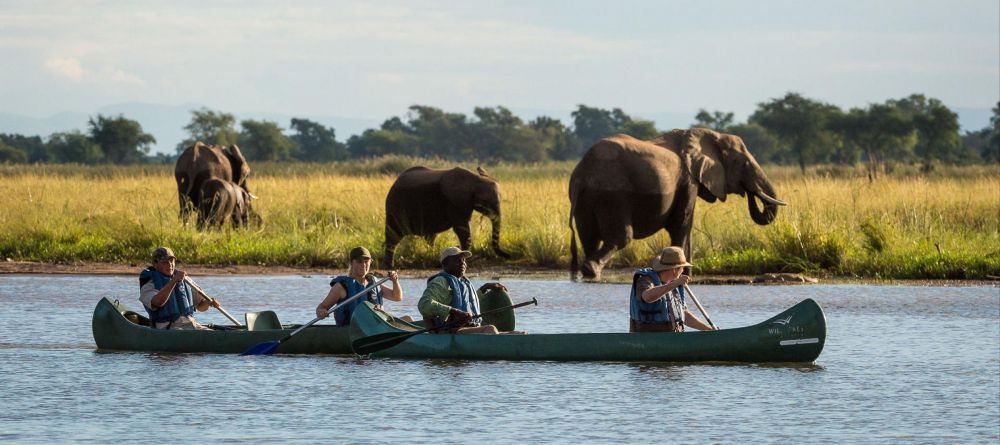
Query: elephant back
pixel 626 164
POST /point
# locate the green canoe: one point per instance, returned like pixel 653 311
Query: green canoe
pixel 795 335
pixel 114 331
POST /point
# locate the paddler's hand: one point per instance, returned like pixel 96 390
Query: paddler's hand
pixel 215 303
pixel 680 281
pixel 458 316
pixel 178 276
pixel 321 312
pixel 490 286
pixel 394 277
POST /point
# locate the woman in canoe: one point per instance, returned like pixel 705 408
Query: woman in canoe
pixel 657 300
pixel 356 280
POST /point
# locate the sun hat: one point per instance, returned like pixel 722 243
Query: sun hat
pixel 162 253
pixel 452 251
pixel 359 252
pixel 670 258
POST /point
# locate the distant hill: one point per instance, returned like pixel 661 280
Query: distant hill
pixel 166 122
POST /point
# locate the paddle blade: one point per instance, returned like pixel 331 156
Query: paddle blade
pixel 378 342
pixel 266 348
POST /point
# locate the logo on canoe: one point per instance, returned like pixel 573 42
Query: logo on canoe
pixel 783 321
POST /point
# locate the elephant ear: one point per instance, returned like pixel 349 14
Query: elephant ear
pixel 458 186
pixel 701 149
pixel 239 164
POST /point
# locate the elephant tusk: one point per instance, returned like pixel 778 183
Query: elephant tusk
pixel 252 196
pixel 773 201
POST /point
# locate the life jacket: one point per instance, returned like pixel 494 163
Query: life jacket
pixel 180 301
pixel 462 296
pixel 659 311
pixel 342 315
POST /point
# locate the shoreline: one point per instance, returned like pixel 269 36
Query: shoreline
pixel 619 276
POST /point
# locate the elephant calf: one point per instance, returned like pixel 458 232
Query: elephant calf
pixel 426 202
pixel 219 200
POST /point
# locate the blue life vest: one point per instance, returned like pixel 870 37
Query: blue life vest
pixel 657 312
pixel 342 315
pixel 462 295
pixel 180 301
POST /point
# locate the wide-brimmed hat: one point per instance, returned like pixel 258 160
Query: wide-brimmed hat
pixel 359 252
pixel 162 253
pixel 670 258
pixel 452 251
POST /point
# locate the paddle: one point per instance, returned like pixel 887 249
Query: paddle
pixel 697 303
pixel 268 347
pixel 386 340
pixel 212 300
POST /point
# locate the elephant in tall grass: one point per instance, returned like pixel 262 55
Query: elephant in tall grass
pixel 426 202
pixel 202 162
pixel 625 188
pixel 221 200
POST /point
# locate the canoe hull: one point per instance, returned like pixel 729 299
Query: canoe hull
pixel 114 332
pixel 796 335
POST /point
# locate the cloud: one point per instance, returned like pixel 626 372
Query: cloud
pixel 117 75
pixel 66 66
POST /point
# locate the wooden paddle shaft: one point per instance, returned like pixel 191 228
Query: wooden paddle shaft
pixel 697 303
pixel 211 300
pixel 337 306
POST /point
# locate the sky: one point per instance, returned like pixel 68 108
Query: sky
pixel 373 60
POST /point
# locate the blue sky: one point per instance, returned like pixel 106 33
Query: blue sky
pixel 373 59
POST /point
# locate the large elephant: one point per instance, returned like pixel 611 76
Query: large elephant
pixel 201 162
pixel 625 188
pixel 426 202
pixel 221 200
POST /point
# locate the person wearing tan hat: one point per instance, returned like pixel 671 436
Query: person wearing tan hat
pixel 167 298
pixel 657 300
pixel 356 280
pixel 449 301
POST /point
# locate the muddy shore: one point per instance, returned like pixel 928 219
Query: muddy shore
pixel 484 273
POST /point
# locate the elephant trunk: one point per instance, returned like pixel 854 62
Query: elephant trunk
pixel 495 240
pixel 765 192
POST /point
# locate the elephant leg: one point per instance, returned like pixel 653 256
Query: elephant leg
pixel 464 234
pixel 392 238
pixel 679 223
pixel 615 226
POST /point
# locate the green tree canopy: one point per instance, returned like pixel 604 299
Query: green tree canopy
pixel 33 146
pixel 593 124
pixel 73 146
pixel 122 140
pixel 211 127
pixel 717 120
pixel 263 141
pixel 937 128
pixel 11 155
pixel 316 143
pixel 800 123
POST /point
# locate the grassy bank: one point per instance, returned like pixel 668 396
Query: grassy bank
pixel 945 224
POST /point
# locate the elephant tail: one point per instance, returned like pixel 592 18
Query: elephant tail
pixel 573 262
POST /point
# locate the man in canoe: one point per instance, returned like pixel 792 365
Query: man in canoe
pixel 449 299
pixel 657 300
pixel 168 299
pixel 356 280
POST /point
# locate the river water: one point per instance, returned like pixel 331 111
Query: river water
pixel 902 364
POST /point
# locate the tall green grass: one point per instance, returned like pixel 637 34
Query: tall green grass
pixel 903 225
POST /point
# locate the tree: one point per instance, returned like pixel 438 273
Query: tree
pixel 439 133
pixel 937 128
pixel 263 141
pixel 316 143
pixel 881 132
pixel 593 124
pixel 717 120
pixel 32 146
pixel 380 142
pixel 799 123
pixel 122 140
pixel 210 127
pixel 73 146
pixel 761 143
pixel 557 142
pixel 11 155
pixel 993 147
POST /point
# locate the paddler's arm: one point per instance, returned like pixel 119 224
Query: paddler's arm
pixel 396 293
pixel 692 321
pixel 200 300
pixel 434 301
pixel 337 292
pixel 656 292
pixel 163 295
